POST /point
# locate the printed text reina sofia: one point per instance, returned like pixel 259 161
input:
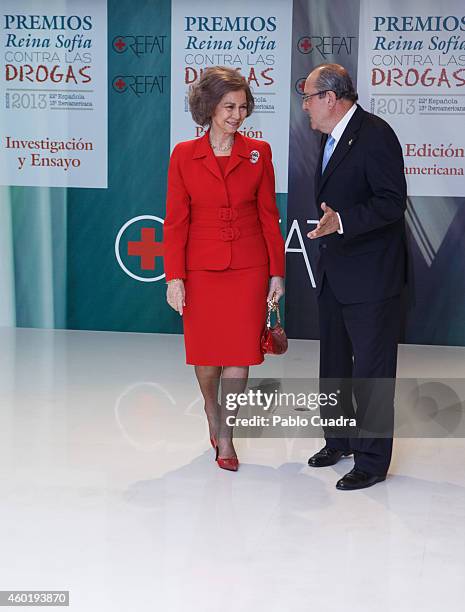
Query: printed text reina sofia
pixel 240 42
pixel 25 33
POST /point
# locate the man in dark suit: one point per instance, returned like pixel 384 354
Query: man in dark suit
pixel 360 193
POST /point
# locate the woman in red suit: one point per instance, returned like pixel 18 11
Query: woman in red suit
pixel 224 253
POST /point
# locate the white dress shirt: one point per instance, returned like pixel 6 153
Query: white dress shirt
pixel 337 132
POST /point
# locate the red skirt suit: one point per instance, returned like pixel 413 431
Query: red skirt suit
pixel 222 236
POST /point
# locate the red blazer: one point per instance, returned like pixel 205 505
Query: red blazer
pixel 214 223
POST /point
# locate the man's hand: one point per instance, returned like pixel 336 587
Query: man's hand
pixel 328 224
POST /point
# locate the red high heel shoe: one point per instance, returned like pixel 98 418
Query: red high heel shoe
pixel 227 463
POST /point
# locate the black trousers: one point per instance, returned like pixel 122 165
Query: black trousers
pixel 358 348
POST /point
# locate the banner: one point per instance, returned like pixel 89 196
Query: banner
pixel 411 71
pixel 92 258
pixel 54 93
pixel 258 44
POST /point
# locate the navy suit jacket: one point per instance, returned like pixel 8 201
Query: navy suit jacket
pixel 364 182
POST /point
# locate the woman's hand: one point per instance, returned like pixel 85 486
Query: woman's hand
pixel 176 294
pixel 276 288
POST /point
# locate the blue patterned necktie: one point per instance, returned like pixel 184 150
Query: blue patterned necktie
pixel 329 146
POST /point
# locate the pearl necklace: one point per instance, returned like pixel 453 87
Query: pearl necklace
pixel 222 149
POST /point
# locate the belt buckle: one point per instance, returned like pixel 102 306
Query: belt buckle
pixel 227 214
pixel 227 234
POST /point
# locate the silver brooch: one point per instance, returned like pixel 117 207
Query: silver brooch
pixel 254 156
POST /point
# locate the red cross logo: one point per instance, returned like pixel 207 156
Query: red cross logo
pixel 300 86
pixel 147 248
pixel 119 44
pixel 305 44
pixel 120 85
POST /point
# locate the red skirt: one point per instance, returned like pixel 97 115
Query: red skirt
pixel 225 315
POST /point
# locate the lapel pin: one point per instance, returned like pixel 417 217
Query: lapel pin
pixel 351 141
pixel 254 156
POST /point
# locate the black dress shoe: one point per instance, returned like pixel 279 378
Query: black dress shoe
pixel 356 479
pixel 326 456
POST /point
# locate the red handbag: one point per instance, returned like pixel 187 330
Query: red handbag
pixel 274 339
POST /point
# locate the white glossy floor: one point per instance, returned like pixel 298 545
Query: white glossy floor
pixel 109 490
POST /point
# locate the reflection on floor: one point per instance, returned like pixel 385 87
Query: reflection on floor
pixel 109 490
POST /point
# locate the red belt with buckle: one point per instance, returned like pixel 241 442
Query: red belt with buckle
pixel 224 213
pixel 227 234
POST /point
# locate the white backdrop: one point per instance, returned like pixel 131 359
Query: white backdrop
pixel 53 93
pixel 411 71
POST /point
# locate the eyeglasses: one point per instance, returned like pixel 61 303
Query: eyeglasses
pixel 306 97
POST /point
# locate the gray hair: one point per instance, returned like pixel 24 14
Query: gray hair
pixel 334 77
